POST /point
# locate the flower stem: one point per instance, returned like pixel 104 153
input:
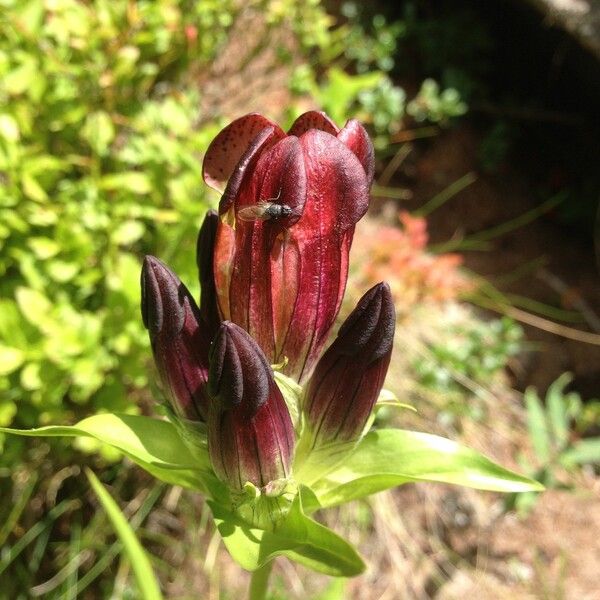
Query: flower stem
pixel 259 583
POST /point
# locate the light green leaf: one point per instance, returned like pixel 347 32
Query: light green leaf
pixel 144 575
pixel 10 359
pixel 128 232
pixel 8 409
pixel 537 425
pixel 133 181
pixel 391 457
pixel 292 394
pixel 32 304
pixel 387 398
pixel 582 452
pixel 9 129
pixel 153 444
pixel 32 189
pixel 557 409
pixel 298 537
pixel 99 131
pixel 61 270
pixel 43 247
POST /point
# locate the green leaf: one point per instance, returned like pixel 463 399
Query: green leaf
pixel 43 247
pixel 9 128
pixel 298 537
pixel 153 444
pixel 387 398
pixel 128 232
pixel 10 359
pixel 391 457
pixel 144 575
pixel 32 188
pixel 556 406
pixel 99 131
pixel 292 394
pixel 32 304
pixel 582 452
pixel 133 181
pixel 537 425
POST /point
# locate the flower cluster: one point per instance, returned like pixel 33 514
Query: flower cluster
pixel 273 265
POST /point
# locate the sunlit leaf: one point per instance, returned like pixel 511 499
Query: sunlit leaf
pixel 391 457
pixel 10 359
pixel 556 404
pixel 582 452
pixel 298 537
pixel 153 444
pixel 135 182
pixel 537 425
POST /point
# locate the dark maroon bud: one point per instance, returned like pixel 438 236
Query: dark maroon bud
pixel 204 258
pixel 180 342
pixel 347 380
pixel 250 432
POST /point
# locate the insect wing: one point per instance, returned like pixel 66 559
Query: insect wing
pixel 256 212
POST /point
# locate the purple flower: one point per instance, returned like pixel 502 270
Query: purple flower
pixel 288 212
pixel 209 310
pixel 180 341
pixel 348 378
pixel 250 432
pixel 272 266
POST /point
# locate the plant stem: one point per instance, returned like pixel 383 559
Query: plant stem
pixel 259 584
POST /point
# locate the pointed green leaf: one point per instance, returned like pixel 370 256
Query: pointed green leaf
pixel 298 537
pixel 391 457
pixel 556 404
pixel 292 394
pixel 387 398
pixel 537 425
pixel 153 444
pixel 582 452
pixel 144 575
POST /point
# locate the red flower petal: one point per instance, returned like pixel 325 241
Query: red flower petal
pixel 228 147
pixel 355 136
pixel 263 140
pixel 313 119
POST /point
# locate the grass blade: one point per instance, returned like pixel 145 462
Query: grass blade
pixel 146 580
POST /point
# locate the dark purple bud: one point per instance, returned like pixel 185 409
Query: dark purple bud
pixel 250 432
pixel 348 378
pixel 180 342
pixel 204 258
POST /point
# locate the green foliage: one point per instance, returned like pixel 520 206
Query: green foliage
pixel 365 90
pixel 550 424
pixel 99 164
pixel 381 460
pixel 435 105
pixel 370 42
pixel 474 351
pixel 385 103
